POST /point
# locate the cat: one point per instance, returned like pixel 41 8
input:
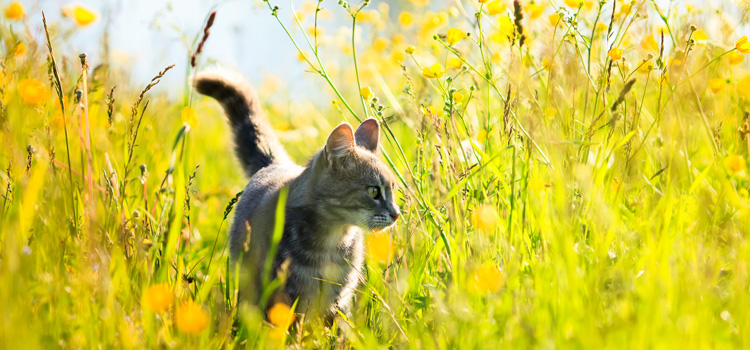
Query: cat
pixel 344 192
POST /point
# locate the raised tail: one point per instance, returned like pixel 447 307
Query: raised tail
pixel 255 143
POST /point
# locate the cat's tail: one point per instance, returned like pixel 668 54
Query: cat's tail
pixel 255 143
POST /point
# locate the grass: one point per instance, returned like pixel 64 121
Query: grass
pixel 553 193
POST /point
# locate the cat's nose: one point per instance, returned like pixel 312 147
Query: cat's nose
pixel 395 214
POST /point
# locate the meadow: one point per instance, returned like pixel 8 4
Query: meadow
pixel 572 174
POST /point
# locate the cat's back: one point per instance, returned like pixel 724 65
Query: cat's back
pixel 257 206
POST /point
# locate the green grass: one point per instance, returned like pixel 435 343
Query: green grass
pixel 617 213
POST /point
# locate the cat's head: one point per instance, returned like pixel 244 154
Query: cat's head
pixel 359 186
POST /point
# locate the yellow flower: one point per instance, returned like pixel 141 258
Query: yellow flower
pixel 158 297
pixel 458 97
pixel 649 43
pixel 547 64
pixel 434 20
pixel 454 63
pixel 190 318
pixel 398 39
pixel 406 19
pixel 80 14
pixel 717 85
pixel 550 113
pixel 700 36
pixel 735 165
pixel 372 16
pixel 614 184
pixel 482 136
pixel 486 279
pixel 32 91
pixel 646 67
pixel 432 111
pixel 366 93
pixel 496 7
pixel 454 36
pixel 20 49
pixel 535 10
pixel 554 18
pixel 615 54
pixel 15 11
pixel 485 218
pixel 483 1
pixel 380 247
pixel 188 116
pixel 410 49
pixel 573 3
pixel 742 45
pixel 420 2
pixel 435 71
pixel 281 316
pixel 743 86
pixel 505 30
pixel 735 58
pixel 380 44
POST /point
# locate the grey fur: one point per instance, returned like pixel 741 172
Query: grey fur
pixel 329 206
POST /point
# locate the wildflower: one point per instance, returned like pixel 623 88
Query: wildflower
pixel 366 93
pixel 80 14
pixel 547 63
pixel 20 49
pixel 717 85
pixel 380 44
pixel 410 50
pixel 158 297
pixel 434 71
pixel 482 136
pixel 735 165
pixel 190 318
pixel 371 16
pixel 15 11
pixel 454 36
pixel 458 97
pixel 615 53
pixel 434 20
pixel 281 316
pixel 432 111
pixel 700 36
pixel 742 45
pixel 454 63
pixel 406 19
pixel 535 10
pixel 483 1
pixel 486 279
pixel 398 39
pixel 420 2
pixel 485 218
pixel 648 43
pixel 380 247
pixel 495 7
pixel 735 58
pixel 646 67
pixel 554 18
pixel 743 86
pixel 573 3
pixel 505 30
pixel 550 113
pixel 615 184
pixel 188 116
pixel 32 91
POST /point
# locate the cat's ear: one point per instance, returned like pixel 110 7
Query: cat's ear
pixel 368 135
pixel 340 142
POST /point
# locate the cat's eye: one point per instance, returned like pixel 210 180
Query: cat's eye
pixel 374 192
